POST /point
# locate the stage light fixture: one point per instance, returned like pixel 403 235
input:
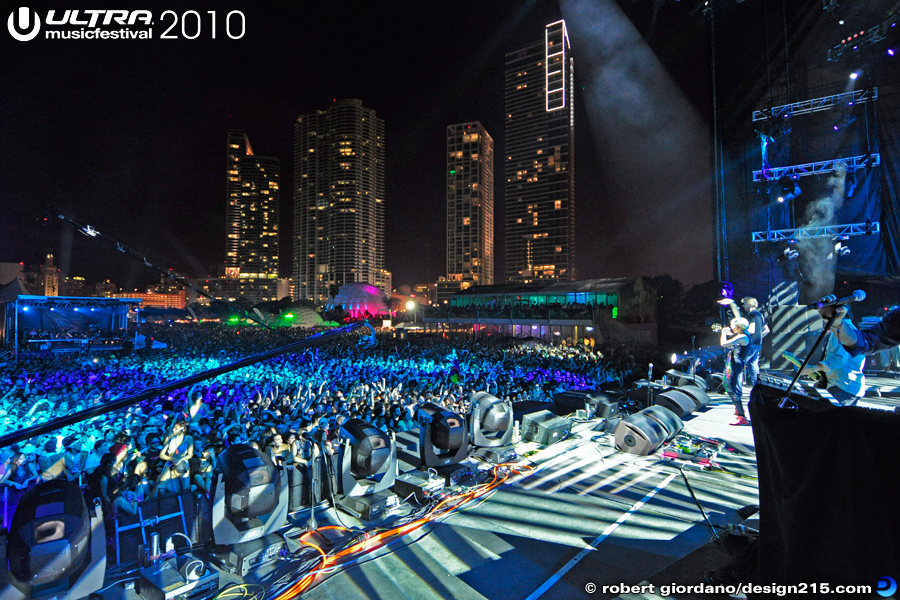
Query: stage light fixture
pixel 854 75
pixel 443 436
pixel 491 428
pixel 790 188
pixel 250 496
pixel 727 290
pixel 56 545
pixel 367 458
pixel 367 462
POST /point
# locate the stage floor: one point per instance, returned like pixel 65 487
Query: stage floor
pixel 586 517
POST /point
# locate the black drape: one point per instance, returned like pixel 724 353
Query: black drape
pixel 829 506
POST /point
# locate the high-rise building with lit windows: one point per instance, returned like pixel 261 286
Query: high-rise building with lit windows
pixel 251 219
pixel 538 161
pixel 338 200
pixel 470 204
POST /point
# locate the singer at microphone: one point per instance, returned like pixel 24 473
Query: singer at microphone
pixel 881 336
pixel 857 296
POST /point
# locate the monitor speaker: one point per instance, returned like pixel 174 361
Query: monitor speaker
pixel 639 434
pixel 666 418
pixel 700 397
pixel 681 404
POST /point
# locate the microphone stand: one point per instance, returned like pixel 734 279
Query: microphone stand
pixel 784 401
pixel 314 477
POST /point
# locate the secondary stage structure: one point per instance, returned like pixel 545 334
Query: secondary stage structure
pixel 62 323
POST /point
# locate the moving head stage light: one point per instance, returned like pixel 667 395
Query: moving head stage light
pixel 443 436
pixel 491 428
pixel 251 496
pixel 56 546
pixel 368 467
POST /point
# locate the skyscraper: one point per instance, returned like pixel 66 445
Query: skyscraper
pixel 338 200
pixel 470 204
pixel 251 219
pixel 539 160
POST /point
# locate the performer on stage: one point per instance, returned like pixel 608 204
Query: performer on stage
pixel 757 330
pixel 736 339
pixel 843 371
pixel 882 336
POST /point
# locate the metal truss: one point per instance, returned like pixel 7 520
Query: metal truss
pixel 826 231
pixel 818 168
pixel 865 38
pixel 816 105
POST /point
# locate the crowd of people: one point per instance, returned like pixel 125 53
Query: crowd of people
pixel 290 406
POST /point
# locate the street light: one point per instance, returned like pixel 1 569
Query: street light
pixel 411 308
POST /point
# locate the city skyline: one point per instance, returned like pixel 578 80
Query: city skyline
pixel 145 122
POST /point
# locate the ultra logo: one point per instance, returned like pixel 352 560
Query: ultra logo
pixel 23 24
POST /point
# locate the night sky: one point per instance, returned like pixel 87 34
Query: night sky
pixel 130 136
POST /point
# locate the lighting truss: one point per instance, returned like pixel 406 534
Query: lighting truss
pixel 806 233
pixel 868 37
pixel 818 168
pixel 816 105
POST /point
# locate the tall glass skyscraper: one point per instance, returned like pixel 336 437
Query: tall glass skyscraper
pixel 470 204
pixel 539 160
pixel 338 200
pixel 251 219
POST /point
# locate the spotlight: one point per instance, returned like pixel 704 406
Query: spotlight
pixel 443 436
pixel 56 545
pixel 890 51
pixel 854 75
pixel 368 467
pixel 674 358
pixel 491 428
pixel 791 254
pixel 251 496
pixel 790 188
pixel 727 290
pixel 24 309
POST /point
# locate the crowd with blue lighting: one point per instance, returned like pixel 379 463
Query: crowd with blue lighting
pixel 289 406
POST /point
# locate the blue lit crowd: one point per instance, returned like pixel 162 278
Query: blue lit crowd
pixel 290 407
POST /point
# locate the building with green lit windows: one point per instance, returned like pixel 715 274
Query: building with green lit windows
pixel 607 310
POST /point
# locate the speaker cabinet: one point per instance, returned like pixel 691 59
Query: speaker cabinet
pixel 639 434
pixel 600 405
pixel 681 404
pixel 666 418
pixel 700 397
pixel 544 427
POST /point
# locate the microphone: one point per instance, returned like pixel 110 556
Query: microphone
pixel 857 296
